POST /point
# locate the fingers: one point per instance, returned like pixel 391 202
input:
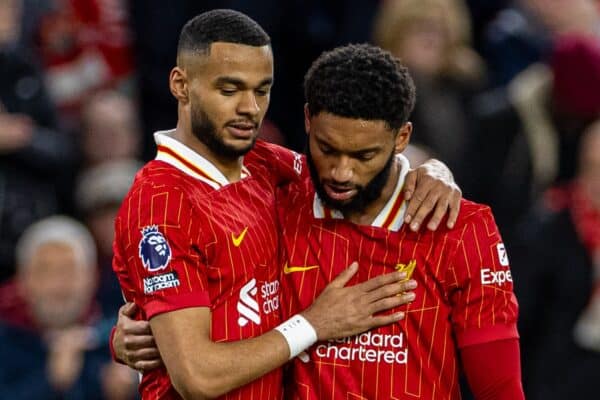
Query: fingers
pixel 133 342
pixel 381 280
pixel 382 320
pixel 409 184
pixel 144 366
pixel 427 203
pixel 441 208
pixel 433 188
pixel 390 290
pixel 348 310
pixel 147 354
pixel 344 277
pixel 128 309
pixel 454 209
pixel 417 198
pixel 141 353
pixel 132 327
pixel 391 302
pixel 440 199
pixel 129 325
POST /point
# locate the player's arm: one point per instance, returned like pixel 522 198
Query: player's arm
pixel 484 308
pixel 170 285
pixel 282 164
pixel 200 368
pixel 431 187
pixel 493 370
pixel 428 188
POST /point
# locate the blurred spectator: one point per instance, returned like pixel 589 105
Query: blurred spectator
pixel 482 12
pixel 529 133
pixel 432 38
pixel 99 194
pixel 524 33
pixel 57 352
pixel 34 156
pixel 85 45
pixel 110 128
pixel 557 282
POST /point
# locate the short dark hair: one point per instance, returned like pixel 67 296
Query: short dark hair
pixel 360 81
pixel 220 25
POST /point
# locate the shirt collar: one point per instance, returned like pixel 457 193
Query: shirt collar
pixel 180 156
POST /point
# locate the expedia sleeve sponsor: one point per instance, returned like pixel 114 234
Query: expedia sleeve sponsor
pixel 160 282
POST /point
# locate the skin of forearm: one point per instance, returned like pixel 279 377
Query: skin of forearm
pixel 202 369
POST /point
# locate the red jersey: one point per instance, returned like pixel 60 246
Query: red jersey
pixel 464 297
pixel 186 237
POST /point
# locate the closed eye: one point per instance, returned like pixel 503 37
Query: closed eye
pixel 365 156
pixel 228 91
pixel 263 91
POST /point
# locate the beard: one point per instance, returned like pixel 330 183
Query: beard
pixel 365 195
pixel 205 130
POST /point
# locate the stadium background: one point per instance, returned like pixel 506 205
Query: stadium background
pixel 506 92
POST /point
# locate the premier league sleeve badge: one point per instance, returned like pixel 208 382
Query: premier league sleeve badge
pixel 154 249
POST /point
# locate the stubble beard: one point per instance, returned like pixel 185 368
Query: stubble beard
pixel 365 194
pixel 205 130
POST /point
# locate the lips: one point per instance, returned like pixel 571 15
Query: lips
pixel 242 130
pixel 339 193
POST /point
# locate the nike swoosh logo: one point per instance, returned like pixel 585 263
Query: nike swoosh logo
pixel 238 240
pixel 288 270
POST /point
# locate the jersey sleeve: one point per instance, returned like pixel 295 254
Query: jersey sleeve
pixel 484 307
pixel 493 370
pixel 156 260
pixel 282 165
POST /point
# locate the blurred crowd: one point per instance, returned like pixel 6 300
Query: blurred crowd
pixel 508 97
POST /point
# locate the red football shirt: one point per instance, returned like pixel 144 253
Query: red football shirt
pixel 464 297
pixel 186 237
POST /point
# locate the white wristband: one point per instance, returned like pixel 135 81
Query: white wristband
pixel 298 333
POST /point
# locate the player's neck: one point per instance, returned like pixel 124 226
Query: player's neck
pixel 230 168
pixel 368 215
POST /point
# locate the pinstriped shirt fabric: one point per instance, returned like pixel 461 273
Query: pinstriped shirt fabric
pixel 223 244
pixel 463 298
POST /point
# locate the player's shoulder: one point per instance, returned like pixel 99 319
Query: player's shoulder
pixel 471 213
pixel 271 154
pixel 157 175
pixel 266 149
pixel 279 164
pixel 158 179
pixel 470 210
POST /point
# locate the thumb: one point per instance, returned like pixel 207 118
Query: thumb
pixel 344 277
pixel 128 309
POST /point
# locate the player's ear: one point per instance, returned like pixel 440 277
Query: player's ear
pixel 306 119
pixel 403 137
pixel 178 83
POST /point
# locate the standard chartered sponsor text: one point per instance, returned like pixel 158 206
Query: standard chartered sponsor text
pixel 270 293
pixel 367 347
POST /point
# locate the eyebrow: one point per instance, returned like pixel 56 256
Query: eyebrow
pixel 225 80
pixel 352 153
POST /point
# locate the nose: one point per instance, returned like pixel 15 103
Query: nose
pixel 342 170
pixel 248 104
